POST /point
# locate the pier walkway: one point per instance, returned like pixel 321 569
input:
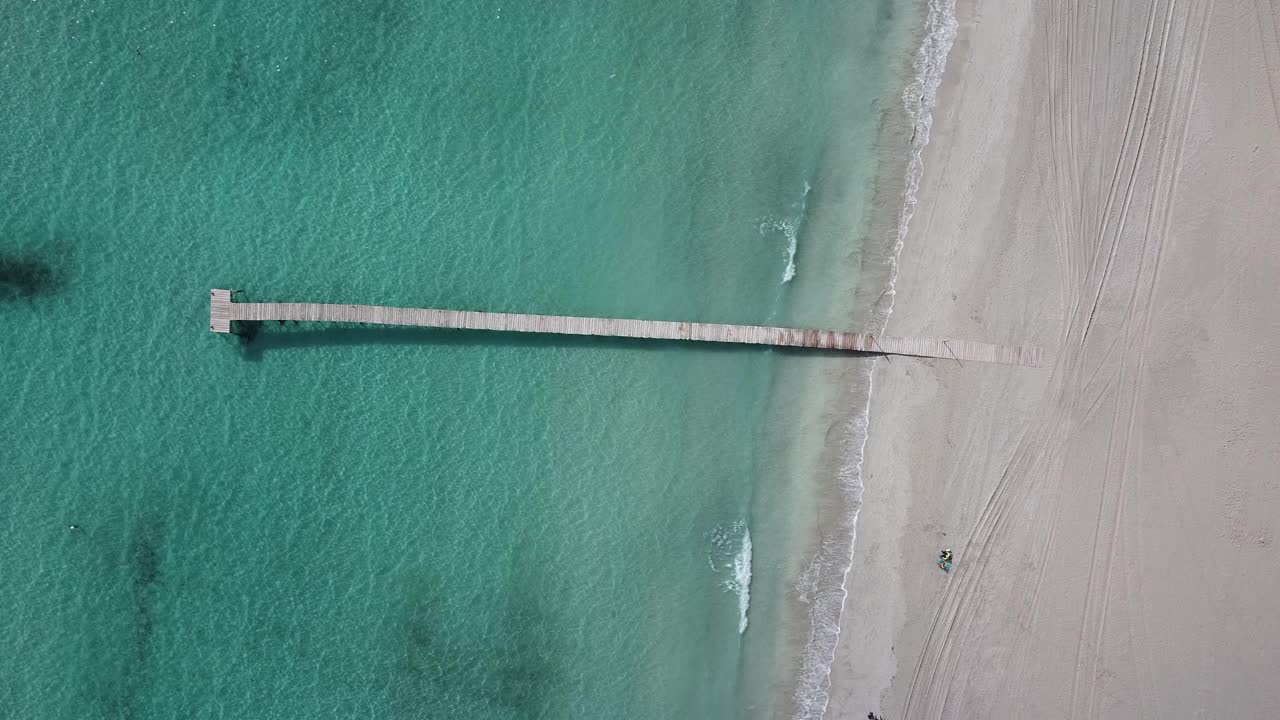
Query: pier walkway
pixel 224 311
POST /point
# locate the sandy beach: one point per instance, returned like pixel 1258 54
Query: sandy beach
pixel 1101 181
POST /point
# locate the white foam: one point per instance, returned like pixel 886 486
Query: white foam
pixel 813 682
pixel 789 226
pixel 789 271
pixel 731 551
pixel 742 579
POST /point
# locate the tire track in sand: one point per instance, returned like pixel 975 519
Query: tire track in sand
pixel 932 691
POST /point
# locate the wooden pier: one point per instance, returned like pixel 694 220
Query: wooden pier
pixel 224 311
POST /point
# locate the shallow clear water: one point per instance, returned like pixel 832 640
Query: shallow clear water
pixel 349 522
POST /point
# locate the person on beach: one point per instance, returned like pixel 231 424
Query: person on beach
pixel 944 560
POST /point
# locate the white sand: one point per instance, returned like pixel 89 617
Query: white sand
pixel 1103 180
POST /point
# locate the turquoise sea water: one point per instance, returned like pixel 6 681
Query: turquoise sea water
pixel 350 522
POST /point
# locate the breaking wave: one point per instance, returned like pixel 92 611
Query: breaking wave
pixel 789 226
pixel 731 552
pixel 742 579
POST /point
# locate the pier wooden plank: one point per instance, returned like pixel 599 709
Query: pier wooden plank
pixel 220 311
pixel 224 311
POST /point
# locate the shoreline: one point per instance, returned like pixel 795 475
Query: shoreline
pixel 815 601
pixel 912 492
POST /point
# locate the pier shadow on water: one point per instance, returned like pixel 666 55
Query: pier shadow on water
pixel 271 336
